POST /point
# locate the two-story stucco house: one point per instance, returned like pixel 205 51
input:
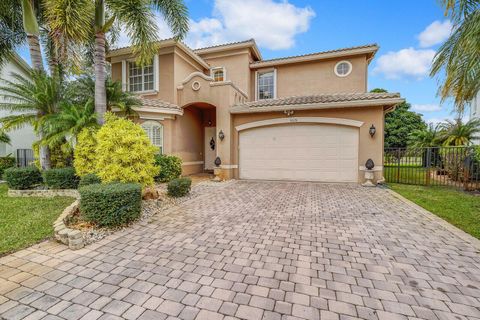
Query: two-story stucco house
pixel 304 118
pixel 475 112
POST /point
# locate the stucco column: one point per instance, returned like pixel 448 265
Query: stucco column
pixel 225 171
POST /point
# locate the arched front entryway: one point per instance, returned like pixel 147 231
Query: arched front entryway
pixel 196 133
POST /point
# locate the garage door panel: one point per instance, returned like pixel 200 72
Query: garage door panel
pixel 300 152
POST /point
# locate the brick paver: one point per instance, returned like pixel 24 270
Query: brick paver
pixel 258 250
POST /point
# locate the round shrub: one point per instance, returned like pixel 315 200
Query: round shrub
pixel 111 204
pixel 5 163
pixel 22 178
pixel 179 187
pixel 60 178
pixel 85 153
pixel 89 179
pixel 124 153
pixel 170 167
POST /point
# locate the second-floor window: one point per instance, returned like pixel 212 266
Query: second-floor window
pixel 140 78
pixel 218 74
pixel 266 85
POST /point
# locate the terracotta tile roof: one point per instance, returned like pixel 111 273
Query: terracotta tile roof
pixel 225 44
pixel 374 47
pixel 157 103
pixel 327 99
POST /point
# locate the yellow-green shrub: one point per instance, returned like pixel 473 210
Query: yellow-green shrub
pixel 124 153
pixel 85 153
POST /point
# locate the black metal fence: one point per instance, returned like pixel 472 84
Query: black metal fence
pixel 25 157
pixel 434 166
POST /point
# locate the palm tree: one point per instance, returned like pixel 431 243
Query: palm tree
pixel 11 29
pixel 458 57
pixel 30 26
pixel 429 137
pixel 137 16
pixel 457 133
pixel 122 102
pixel 30 101
pixel 4 138
pixel 66 124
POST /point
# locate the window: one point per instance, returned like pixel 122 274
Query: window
pixel 343 68
pixel 266 85
pixel 154 132
pixel 140 78
pixel 218 74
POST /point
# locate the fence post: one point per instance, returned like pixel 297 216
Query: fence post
pixel 429 160
pixel 398 165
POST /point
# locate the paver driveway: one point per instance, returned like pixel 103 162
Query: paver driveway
pixel 258 250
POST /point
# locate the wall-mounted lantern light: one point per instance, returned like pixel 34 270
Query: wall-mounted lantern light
pixel 218 161
pixel 221 135
pixel 372 130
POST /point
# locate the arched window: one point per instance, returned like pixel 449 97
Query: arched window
pixel 154 132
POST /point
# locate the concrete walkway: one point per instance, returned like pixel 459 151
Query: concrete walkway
pixel 258 250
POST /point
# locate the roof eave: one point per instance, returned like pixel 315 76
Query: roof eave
pixel 318 106
pixel 247 44
pixel 320 56
pixel 163 43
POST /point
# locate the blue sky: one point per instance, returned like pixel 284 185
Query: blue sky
pixel 407 31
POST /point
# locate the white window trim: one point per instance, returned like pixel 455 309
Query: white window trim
pixel 343 75
pixel 212 70
pixel 156 71
pixel 274 81
pixel 152 123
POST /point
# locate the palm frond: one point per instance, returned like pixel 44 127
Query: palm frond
pixel 456 63
pixel 175 13
pixel 139 21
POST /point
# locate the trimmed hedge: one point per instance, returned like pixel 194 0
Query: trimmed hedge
pixel 179 187
pixel 22 178
pixel 112 204
pixel 5 163
pixel 60 178
pixel 170 167
pixel 89 179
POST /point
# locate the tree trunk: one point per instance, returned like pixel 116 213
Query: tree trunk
pixel 44 154
pixel 100 77
pixel 35 53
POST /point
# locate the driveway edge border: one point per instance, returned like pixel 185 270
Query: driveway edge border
pixel 445 224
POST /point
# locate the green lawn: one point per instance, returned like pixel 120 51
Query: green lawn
pixel 457 207
pixel 406 174
pixel 25 221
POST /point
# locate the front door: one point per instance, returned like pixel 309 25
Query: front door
pixel 210 147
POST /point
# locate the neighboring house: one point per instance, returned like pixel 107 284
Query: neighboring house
pixel 21 139
pixel 475 111
pixel 295 118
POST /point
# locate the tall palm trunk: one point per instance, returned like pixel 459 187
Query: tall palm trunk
pixel 31 29
pixel 35 53
pixel 100 76
pixel 99 60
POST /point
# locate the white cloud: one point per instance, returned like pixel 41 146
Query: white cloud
pixel 273 24
pixel 426 107
pixel 435 33
pixel 407 62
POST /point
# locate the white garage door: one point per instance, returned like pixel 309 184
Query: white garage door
pixel 302 152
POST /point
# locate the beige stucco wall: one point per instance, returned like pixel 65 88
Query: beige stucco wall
pixel 368 147
pixel 317 77
pixel 174 65
pixel 236 63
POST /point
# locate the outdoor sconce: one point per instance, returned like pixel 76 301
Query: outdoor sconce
pixel 372 131
pixel 221 135
pixel 218 161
